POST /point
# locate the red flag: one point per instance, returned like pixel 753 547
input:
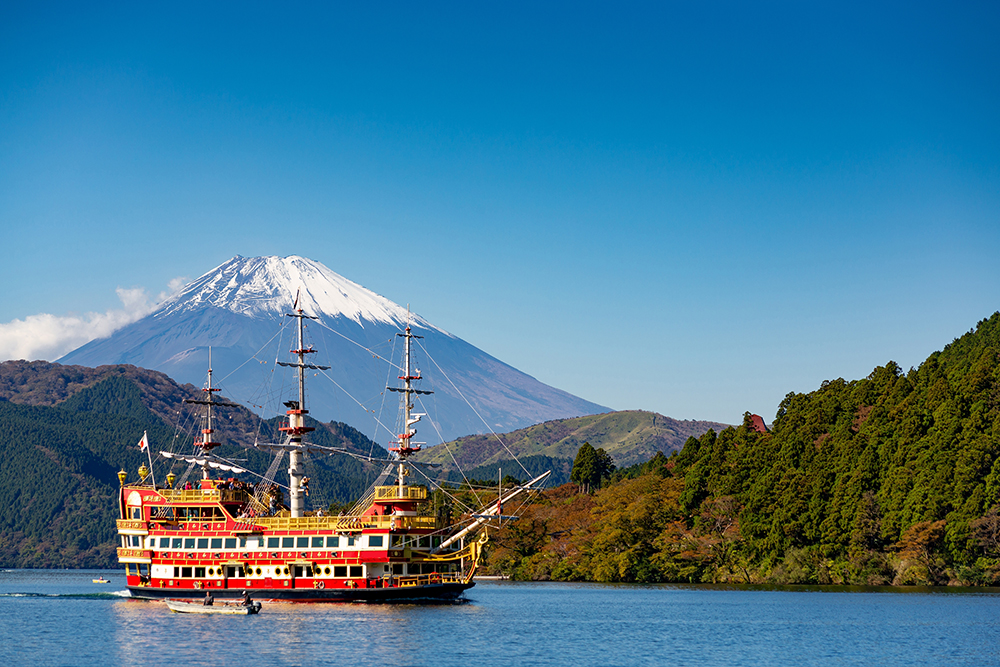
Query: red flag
pixel 144 443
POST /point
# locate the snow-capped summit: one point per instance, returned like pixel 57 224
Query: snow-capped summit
pixel 238 310
pixel 264 286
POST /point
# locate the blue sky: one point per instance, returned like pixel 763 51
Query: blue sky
pixel 692 208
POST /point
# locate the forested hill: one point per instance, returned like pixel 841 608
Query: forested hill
pixel 890 479
pixel 61 455
pixel 628 436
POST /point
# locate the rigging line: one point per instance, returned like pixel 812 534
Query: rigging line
pixel 437 485
pixel 254 355
pixel 445 445
pixel 247 470
pixel 381 407
pixel 353 342
pixel 350 396
pixel 434 361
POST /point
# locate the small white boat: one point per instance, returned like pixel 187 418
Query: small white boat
pixel 182 607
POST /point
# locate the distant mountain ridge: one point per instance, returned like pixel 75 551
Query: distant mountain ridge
pixel 628 436
pixel 238 309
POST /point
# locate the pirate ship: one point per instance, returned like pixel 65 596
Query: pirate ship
pixel 226 536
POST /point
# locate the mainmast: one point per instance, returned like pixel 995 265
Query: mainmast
pixel 296 427
pixel 404 445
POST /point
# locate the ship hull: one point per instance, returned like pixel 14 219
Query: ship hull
pixel 448 592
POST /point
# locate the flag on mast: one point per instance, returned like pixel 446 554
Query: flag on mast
pixel 144 443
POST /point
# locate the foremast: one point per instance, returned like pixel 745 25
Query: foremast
pixel 207 444
pixel 404 445
pixel 296 427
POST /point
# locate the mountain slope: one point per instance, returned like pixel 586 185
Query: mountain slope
pixel 239 310
pixel 629 436
pixel 61 457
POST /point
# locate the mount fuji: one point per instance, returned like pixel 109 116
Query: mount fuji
pixel 238 309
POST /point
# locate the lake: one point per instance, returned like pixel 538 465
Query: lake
pixel 58 617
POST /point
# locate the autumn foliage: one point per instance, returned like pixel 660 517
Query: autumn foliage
pixel 892 479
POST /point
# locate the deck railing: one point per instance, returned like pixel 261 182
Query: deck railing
pixel 395 493
pixel 344 523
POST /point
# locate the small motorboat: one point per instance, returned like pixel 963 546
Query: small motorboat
pixel 184 607
pixel 101 580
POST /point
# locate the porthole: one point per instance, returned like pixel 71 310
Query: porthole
pixel 258 571
pixel 326 571
pixel 211 572
pixel 286 571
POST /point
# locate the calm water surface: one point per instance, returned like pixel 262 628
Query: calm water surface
pixel 58 617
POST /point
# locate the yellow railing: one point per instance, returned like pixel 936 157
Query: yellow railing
pixel 344 523
pixel 393 493
pixel 133 553
pixel 204 495
pixel 425 579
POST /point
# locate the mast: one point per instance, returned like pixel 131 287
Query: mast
pixel 206 444
pixel 404 445
pixel 296 427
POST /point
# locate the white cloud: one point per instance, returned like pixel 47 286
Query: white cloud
pixel 48 337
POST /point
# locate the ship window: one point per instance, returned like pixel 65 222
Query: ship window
pixel 211 571
pixel 374 540
pixel 397 568
pixel 189 543
pixel 177 572
pixel 424 542
pixel 135 540
pixel 186 572
pixel 202 542
pixel 326 570
pixel 357 571
pixel 317 541
pixel 436 541
pixel 176 543
pixel 243 542
pixel 136 512
pixel 414 568
pixel 350 541
pixel 258 571
pixel 164 542
pixel 216 542
pixel 288 542
pixel 302 542
pixel 286 570
pixel 199 573
pixel 230 542
pixel 272 542
pixel 333 541
pixel 395 540
pixel 340 570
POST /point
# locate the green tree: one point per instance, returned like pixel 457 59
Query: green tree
pixel 591 467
